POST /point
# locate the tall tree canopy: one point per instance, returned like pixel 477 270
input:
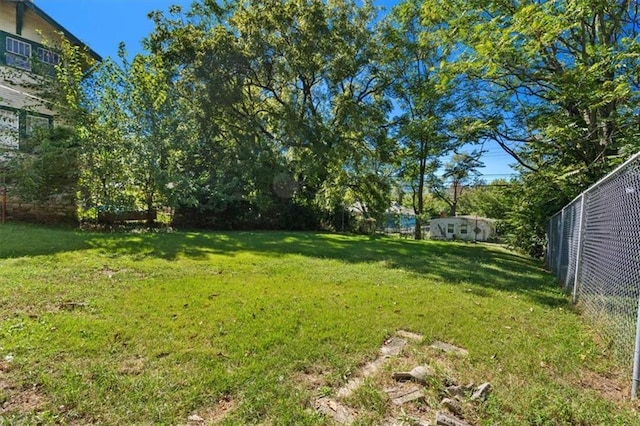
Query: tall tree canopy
pixel 287 97
pixel 434 102
pixel 559 78
pixel 424 99
pixel 557 89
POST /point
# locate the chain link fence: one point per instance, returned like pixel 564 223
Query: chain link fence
pixel 594 250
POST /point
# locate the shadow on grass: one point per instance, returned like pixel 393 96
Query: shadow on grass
pixel 478 266
pixel 20 240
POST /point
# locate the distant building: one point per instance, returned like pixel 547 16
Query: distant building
pixel 467 228
pixel 399 219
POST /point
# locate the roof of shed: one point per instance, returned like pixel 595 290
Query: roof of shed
pixel 466 217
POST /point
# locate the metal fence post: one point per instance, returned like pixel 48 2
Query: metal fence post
pixel 636 358
pixel 560 246
pixel 576 277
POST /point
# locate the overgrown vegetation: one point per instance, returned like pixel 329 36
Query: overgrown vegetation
pixel 154 327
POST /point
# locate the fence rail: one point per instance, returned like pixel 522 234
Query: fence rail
pixel 594 250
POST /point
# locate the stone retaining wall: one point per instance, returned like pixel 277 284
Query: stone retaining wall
pixel 60 208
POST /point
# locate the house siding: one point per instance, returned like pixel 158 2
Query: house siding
pixel 34 28
pixel 21 105
pixel 8 17
pixel 18 87
pixel 450 228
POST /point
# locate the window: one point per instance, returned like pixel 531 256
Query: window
pixel 9 129
pixel 450 228
pixel 463 229
pixel 18 54
pixel 18 47
pixel 35 122
pixel 46 56
pixel 18 61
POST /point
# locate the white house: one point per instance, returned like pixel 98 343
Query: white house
pixel 467 228
pixel 28 37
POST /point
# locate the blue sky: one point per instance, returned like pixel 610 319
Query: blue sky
pixel 103 24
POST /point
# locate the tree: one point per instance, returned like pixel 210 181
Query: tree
pixel 152 128
pixel 424 94
pixel 281 92
pixel 557 85
pixel 50 168
pixel 123 119
pixel 51 161
pixel 458 173
pixel 533 199
pixel 488 199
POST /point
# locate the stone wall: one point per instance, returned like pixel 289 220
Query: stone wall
pixel 60 208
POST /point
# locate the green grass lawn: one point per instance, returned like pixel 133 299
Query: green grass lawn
pixel 150 328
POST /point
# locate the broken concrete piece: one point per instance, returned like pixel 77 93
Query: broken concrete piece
pixel 482 392
pixel 393 346
pixel 452 405
pixel 403 394
pixel 372 368
pixel 405 421
pixel 443 419
pixel 342 414
pixel 449 348
pixel 350 387
pixel 419 374
pixel 338 412
pixel 457 391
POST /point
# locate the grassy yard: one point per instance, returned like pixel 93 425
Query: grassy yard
pixel 250 328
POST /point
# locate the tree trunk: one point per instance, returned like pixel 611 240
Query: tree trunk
pixel 454 202
pixel 419 197
pixel 151 212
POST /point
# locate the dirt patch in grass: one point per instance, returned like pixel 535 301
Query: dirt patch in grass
pixel 119 274
pixel 313 378
pixel 608 385
pixel 108 272
pixel 23 401
pixel 213 415
pixel 132 367
pixel 14 399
